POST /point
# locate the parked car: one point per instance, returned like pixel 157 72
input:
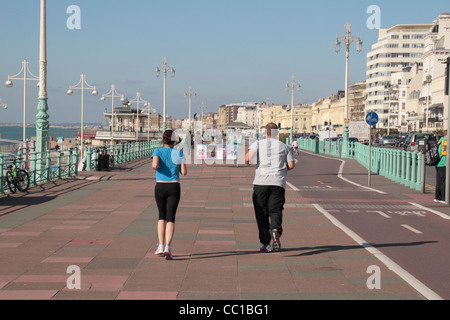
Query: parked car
pixel 387 140
pixel 419 142
pixel 400 140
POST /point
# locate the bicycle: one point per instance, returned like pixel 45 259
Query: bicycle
pixel 16 178
pixel 294 151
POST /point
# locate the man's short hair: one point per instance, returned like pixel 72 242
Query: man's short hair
pixel 271 130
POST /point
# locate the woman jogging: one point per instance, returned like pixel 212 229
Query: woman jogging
pixel 168 163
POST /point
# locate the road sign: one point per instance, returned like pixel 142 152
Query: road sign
pixel 372 118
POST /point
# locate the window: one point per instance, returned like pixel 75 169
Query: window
pixel 406 45
pixel 406 36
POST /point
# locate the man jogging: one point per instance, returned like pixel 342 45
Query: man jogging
pixel 273 159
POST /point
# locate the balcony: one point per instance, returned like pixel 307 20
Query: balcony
pixel 128 136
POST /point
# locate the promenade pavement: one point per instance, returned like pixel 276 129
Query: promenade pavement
pixel 105 224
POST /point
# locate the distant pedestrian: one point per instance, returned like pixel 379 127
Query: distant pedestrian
pixel 441 170
pixel 168 163
pixel 273 160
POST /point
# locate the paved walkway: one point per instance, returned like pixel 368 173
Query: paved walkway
pixel 105 224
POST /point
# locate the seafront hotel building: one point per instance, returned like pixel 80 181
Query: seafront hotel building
pixel 398 47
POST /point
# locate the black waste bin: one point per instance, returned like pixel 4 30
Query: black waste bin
pixel 102 159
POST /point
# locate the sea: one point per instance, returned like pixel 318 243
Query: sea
pixel 16 132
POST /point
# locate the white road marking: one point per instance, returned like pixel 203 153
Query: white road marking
pixel 381 213
pixel 440 214
pixel 341 170
pixel 405 275
pixel 411 229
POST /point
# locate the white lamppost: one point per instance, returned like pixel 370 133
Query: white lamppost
pixel 149 108
pixel 189 94
pixel 348 39
pixel 165 68
pixel 202 108
pixel 82 85
pixel 428 82
pixel 138 100
pixel 113 94
pixel 292 85
pixel 27 75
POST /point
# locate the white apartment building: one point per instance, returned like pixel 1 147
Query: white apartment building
pixel 416 97
pixel 437 50
pixel 397 48
pixel 248 114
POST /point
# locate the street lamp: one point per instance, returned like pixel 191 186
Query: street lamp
pixel 82 85
pixel 189 94
pixel 138 100
pixel 347 39
pixel 42 123
pixel 165 68
pixel 27 75
pixel 202 108
pixel 149 108
pixel 112 94
pixel 292 85
pixel 428 82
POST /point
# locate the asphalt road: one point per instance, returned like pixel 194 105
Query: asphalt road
pixel 415 239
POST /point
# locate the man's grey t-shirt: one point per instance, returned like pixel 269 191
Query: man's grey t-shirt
pixel 272 159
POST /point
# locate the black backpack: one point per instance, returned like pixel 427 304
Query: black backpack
pixel 432 157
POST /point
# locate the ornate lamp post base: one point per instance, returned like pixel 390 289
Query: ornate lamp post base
pixel 42 126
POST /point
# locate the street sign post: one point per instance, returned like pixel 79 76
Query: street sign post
pixel 372 120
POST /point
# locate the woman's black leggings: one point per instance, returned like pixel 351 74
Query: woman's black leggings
pixel 167 196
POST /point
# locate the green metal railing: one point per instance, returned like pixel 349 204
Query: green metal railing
pixel 400 166
pixel 56 165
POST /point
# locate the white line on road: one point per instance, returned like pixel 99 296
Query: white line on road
pixel 405 275
pixel 381 213
pixel 341 170
pixel 440 214
pixel 411 229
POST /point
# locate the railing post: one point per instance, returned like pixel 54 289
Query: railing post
pixel 413 170
pixel 69 161
pixel 398 165
pixel 33 172
pixel 2 191
pixel 89 159
pixel 421 172
pixel 75 161
pixel 59 164
pixel 19 159
pixel 48 166
pixel 408 169
pixel 403 168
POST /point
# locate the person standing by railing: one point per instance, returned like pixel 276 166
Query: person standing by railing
pixel 168 163
pixel 441 170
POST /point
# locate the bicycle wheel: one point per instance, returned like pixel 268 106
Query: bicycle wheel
pixel 22 181
pixel 10 182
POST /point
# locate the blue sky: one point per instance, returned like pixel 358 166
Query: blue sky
pixel 229 51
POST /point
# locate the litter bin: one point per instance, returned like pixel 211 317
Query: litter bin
pixel 102 159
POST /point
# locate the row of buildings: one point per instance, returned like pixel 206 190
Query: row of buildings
pixel 404 85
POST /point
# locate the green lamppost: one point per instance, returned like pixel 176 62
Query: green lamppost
pixel 42 123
